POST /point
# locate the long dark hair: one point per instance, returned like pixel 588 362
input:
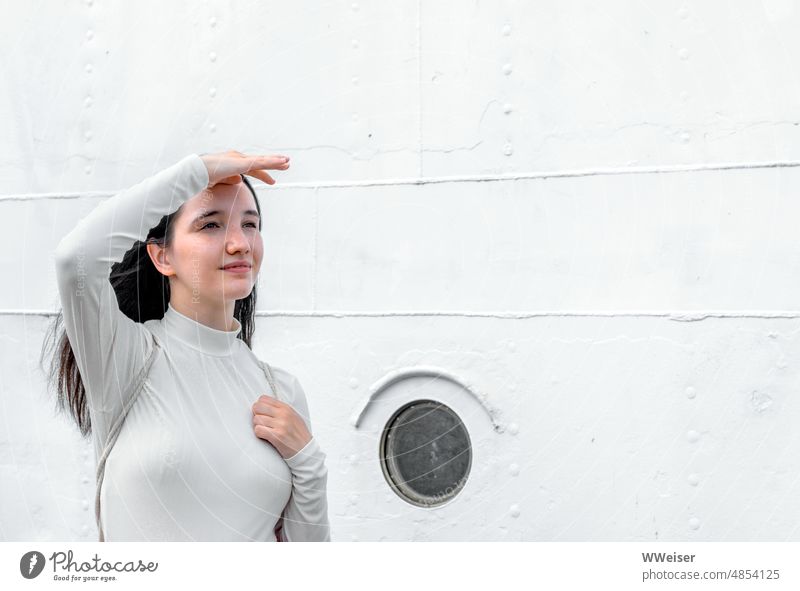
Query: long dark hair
pixel 142 294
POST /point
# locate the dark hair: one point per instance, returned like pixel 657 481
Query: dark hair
pixel 142 294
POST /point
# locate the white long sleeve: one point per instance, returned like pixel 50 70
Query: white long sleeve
pixel 111 349
pixel 305 518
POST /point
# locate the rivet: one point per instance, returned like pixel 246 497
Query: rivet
pixel 690 392
pixel 760 401
pixel 693 436
pixel 354 383
pixel 89 34
pixel 212 56
pixel 87 102
pixel 89 68
pixel 508 150
pixel 685 137
pixel 212 92
pixel 85 480
pixel 693 479
pixel 354 80
pixel 85 531
pixel 683 13
pixel 506 30
pixel 683 54
pixel 85 505
pixel 512 346
pixel 507 108
pixel 355 117
pixel 513 428
pixel 353 499
pixel 212 21
pixel 694 523
pixel 353 459
pixel 88 169
pixel 212 128
pixel 354 6
pixel 355 43
pixel 684 96
pixel 507 69
pixel 514 510
pixel 513 469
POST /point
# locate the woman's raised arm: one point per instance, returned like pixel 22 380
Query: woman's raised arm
pixel 110 349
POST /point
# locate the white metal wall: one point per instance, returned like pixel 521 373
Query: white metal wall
pixel 586 211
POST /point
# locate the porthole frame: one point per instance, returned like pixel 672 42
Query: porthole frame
pixel 404 491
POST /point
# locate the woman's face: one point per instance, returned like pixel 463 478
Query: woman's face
pixel 214 228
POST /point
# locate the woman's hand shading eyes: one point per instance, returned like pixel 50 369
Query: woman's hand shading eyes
pixel 225 167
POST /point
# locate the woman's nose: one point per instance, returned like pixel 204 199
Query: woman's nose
pixel 236 240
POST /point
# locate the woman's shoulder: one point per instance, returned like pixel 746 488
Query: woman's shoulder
pixel 284 379
pixel 289 388
pixel 156 328
pixel 282 376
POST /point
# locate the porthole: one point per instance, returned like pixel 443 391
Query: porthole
pixel 425 453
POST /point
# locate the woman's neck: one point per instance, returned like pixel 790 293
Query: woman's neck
pixel 219 317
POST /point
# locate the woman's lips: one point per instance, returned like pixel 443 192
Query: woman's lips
pixel 237 269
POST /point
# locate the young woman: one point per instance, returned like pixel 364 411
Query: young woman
pixel 158 292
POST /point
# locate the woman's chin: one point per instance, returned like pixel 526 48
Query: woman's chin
pixel 235 292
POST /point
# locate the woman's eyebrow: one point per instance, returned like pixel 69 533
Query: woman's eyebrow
pixel 205 214
pixel 208 214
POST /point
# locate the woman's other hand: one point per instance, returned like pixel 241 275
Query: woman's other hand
pixel 225 167
pixel 279 424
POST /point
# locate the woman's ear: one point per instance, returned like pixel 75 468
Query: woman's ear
pixel 158 254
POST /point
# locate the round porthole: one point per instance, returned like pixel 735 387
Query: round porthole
pixel 425 453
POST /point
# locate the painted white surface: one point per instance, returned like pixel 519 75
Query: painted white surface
pixel 586 210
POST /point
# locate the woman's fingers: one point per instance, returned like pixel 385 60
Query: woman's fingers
pixel 264 433
pixel 231 180
pixel 263 420
pixel 225 167
pixel 267 405
pixel 262 176
pixel 259 165
pixel 272 161
pixel 264 409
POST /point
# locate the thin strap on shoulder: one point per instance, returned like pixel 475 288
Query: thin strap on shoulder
pixel 138 383
pixel 268 371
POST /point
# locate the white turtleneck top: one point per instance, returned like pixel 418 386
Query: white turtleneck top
pixel 187 465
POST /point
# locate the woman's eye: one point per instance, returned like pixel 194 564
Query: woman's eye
pixel 251 224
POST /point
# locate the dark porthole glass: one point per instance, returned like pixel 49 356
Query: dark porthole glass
pixel 426 453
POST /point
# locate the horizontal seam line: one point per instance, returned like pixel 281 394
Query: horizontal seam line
pixel 677 168
pixel 687 315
